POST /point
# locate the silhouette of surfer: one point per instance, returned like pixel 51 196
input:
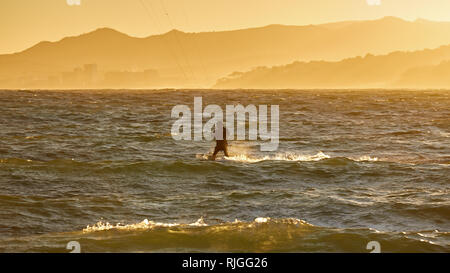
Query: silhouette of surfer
pixel 221 141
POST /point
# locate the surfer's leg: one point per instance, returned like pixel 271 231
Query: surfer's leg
pixel 216 150
pixel 225 151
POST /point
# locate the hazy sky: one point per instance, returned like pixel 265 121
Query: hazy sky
pixel 24 23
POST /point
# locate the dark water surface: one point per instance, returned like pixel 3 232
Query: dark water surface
pixel 352 167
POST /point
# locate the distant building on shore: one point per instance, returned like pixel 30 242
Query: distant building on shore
pixel 81 77
pixel 144 78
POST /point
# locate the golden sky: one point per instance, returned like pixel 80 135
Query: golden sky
pixel 24 23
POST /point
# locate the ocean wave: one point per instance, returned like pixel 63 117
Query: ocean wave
pixel 148 224
pixel 277 157
pixel 288 156
pixel 145 224
pixel 17 161
pixel 177 165
pixel 263 234
pixel 365 158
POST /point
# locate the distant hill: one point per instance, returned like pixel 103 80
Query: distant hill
pixel 432 76
pixel 199 59
pixel 424 68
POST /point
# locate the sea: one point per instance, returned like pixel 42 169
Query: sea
pixel 100 169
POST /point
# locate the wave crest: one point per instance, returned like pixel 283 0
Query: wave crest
pixel 148 224
pixel 288 156
pixel 145 224
pixel 278 157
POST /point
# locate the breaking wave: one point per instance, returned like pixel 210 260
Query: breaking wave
pixel 288 156
pixel 145 224
pixel 263 234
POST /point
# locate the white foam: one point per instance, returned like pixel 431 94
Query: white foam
pixel 147 224
pixel 365 158
pixel 287 156
pixel 278 157
pixel 262 219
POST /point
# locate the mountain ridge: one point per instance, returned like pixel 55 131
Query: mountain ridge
pixel 200 58
pixel 396 69
pixel 329 24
